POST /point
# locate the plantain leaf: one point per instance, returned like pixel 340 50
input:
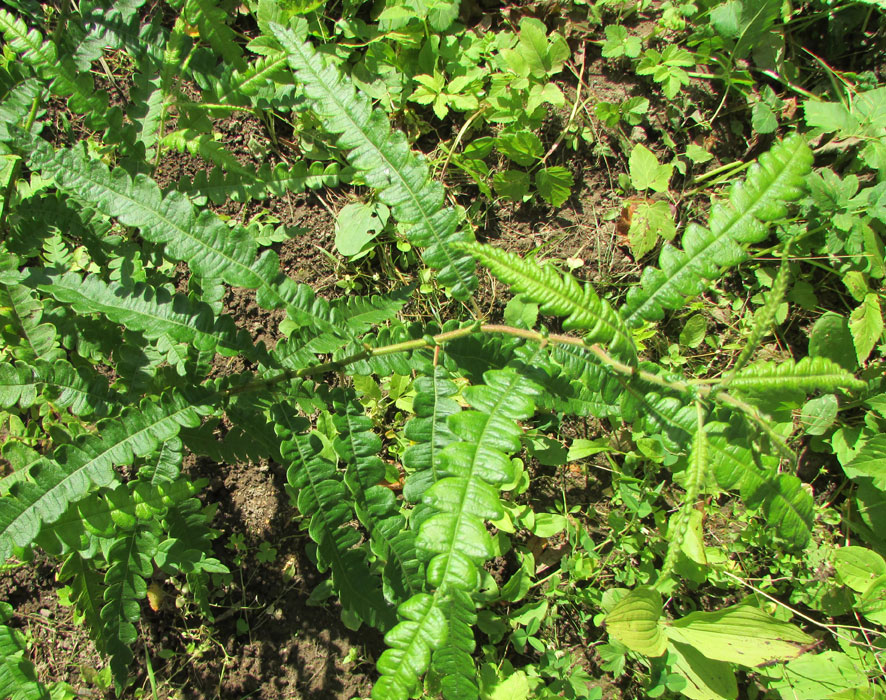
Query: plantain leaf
pixel 705 679
pixel 636 621
pixel 740 634
pixel 857 567
pixel 830 674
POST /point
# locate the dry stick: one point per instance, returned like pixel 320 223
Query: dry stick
pixel 830 628
pixel 458 137
pixel 574 110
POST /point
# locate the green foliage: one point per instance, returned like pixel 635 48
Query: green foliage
pixel 383 158
pixel 666 67
pixel 776 180
pixel 17 678
pixel 414 434
pixel 560 295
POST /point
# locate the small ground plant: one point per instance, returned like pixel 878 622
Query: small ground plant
pixel 406 420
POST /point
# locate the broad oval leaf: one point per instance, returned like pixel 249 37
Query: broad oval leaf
pixel 870 462
pixel 636 622
pixel 857 567
pixel 705 679
pixel 740 634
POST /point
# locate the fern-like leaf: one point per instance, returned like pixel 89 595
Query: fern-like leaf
pixel 188 544
pixel 240 87
pixel 114 27
pixel 786 505
pixel 383 158
pixel 189 140
pixel 429 431
pixel 763 319
pixel 453 660
pixel 360 313
pixel 456 534
pixel 66 79
pixel 666 416
pixel 321 496
pixel 16 107
pixel 409 648
pixel 155 312
pixel 211 248
pixel 698 465
pixel 210 22
pixel 358 446
pixel 130 558
pixel 560 295
pixel 730 457
pixel 25 336
pixel 391 363
pixel 774 181
pixel 807 375
pixel 147 108
pixel 77 389
pixel 241 186
pixel 27 43
pixel 165 465
pixel 452 527
pixel 87 592
pixel 238 445
pixel 579 384
pixel 89 525
pixel 21 459
pixel 88 462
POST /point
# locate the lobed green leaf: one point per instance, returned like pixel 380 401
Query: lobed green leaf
pixel 211 248
pixel 386 163
pixel 808 374
pixel 776 180
pixel 561 295
pixel 78 467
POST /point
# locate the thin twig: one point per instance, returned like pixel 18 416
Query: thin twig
pixel 830 628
